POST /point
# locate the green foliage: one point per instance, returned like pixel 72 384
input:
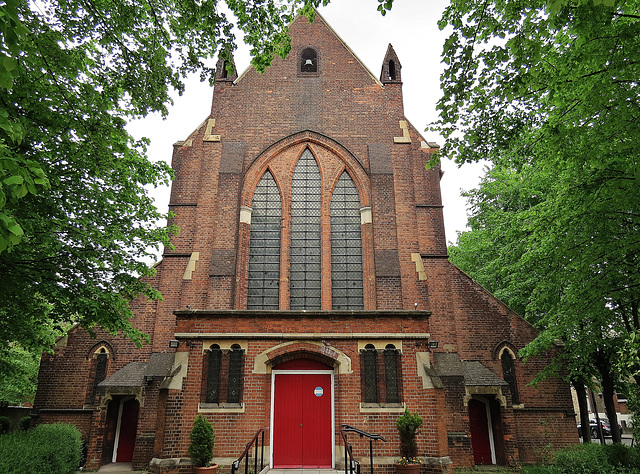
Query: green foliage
pixel 24 423
pixel 408 424
pixel 596 458
pixel 18 374
pixel 633 404
pixel 54 448
pixel 547 93
pixel 202 440
pixel 5 424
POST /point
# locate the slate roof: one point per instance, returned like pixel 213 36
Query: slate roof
pixel 473 372
pixel 133 374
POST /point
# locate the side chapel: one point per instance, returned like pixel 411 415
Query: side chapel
pixel 309 288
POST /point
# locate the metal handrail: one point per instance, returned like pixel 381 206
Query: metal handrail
pixel 235 465
pixel 349 461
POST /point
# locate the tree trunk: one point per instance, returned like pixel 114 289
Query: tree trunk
pixel 581 393
pixel 606 379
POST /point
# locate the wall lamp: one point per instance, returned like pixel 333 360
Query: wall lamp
pixel 174 343
pixel 433 344
pixel 148 379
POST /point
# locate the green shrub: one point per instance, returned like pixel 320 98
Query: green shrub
pixel 621 455
pixel 54 448
pixel 25 423
pixel 583 458
pixel 407 425
pixel 202 439
pixel 5 424
pixel 596 459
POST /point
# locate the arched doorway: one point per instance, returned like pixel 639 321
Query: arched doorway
pixel 481 431
pixel 126 426
pixel 302 415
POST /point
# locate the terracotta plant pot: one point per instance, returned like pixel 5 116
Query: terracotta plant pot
pixel 408 468
pixel 208 470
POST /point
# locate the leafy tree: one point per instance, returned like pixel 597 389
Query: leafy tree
pixel 19 369
pixel 548 93
pixel 76 222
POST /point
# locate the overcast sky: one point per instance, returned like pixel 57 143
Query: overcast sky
pixel 411 27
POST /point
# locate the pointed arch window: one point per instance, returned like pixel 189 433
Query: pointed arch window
pixel 346 246
pixel 99 368
pixel 305 272
pixel 509 375
pixel 264 246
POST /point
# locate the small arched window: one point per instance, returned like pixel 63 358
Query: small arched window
pixel 224 375
pixel 509 375
pixel 100 363
pixel 381 375
pixel 234 391
pixel 370 374
pixel 309 60
pixel 214 364
pixel 391 374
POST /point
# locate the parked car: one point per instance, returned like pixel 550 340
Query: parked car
pixel 593 426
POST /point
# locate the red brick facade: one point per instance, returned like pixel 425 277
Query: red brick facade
pixel 413 296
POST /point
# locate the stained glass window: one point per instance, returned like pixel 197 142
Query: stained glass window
pixel 305 270
pixel 346 246
pixel 264 246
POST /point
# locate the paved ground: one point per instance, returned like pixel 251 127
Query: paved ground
pixel 626 439
pixel 118 468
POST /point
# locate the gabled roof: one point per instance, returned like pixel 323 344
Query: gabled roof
pixel 320 17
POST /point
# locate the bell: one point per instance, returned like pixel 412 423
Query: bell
pixel 308 62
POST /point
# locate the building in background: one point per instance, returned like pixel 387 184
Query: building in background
pixel 309 288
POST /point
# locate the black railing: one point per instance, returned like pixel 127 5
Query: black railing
pixel 351 465
pixel 257 443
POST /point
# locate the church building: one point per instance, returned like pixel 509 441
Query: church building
pixel 309 288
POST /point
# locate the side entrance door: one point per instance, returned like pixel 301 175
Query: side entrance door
pixel 126 430
pixel 481 432
pixel 302 419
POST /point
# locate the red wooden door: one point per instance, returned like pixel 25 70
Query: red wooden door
pixel 302 420
pixel 128 427
pixel 479 425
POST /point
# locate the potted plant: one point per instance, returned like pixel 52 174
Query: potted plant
pixel 408 425
pixel 201 447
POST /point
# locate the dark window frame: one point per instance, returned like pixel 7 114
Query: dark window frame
pixel 509 375
pixel 381 377
pixel 223 380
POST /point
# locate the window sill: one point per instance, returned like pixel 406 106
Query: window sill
pixel 221 408
pixel 382 407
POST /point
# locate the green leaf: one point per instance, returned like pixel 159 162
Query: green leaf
pixel 13 180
